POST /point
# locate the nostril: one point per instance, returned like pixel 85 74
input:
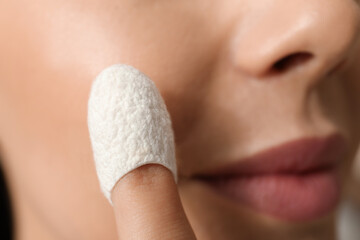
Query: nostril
pixel 291 61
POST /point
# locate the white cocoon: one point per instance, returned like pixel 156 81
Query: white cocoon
pixel 129 125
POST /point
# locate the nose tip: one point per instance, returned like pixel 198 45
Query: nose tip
pixel 287 37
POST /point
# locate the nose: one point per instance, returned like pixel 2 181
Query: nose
pixel 283 36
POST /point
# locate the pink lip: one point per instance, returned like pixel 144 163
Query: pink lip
pixel 296 181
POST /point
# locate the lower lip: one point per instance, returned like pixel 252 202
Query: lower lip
pixel 291 197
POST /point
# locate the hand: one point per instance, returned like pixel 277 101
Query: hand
pixel 147 206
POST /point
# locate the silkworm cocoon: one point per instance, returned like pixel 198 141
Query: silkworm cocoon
pixel 129 125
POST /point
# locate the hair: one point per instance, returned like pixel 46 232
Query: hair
pixel 6 218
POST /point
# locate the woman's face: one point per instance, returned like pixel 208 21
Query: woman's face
pixel 238 77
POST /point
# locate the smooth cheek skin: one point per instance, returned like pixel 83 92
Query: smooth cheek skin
pixel 192 51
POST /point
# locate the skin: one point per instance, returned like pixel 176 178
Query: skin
pixel 354 183
pixel 213 62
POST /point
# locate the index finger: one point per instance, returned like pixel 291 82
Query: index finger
pixel 147 206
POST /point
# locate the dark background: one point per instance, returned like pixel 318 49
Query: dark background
pixel 6 220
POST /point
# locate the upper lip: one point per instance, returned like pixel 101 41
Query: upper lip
pixel 297 156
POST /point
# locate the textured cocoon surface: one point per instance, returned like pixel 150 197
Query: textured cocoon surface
pixel 129 125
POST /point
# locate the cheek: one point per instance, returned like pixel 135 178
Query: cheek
pixel 156 39
pixel 171 44
pixel 47 95
pixel 44 108
pixel 47 151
